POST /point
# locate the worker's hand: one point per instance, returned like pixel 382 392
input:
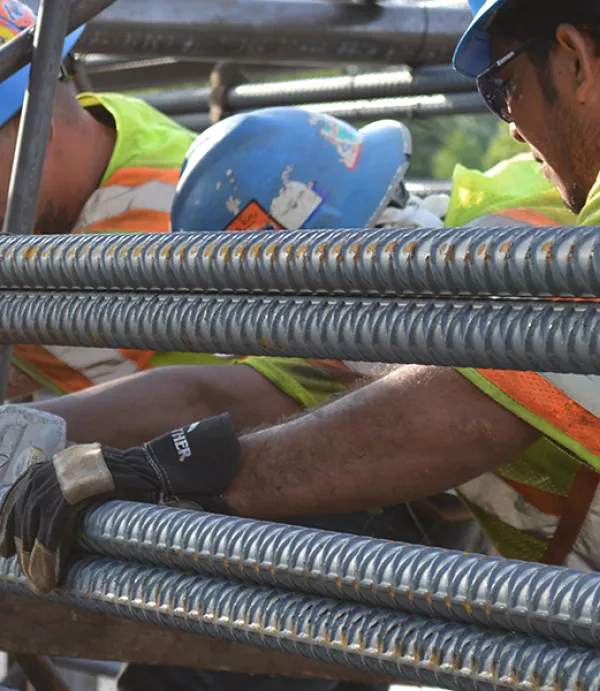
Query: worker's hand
pixel 38 518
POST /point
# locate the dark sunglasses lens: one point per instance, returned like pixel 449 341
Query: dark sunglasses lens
pixel 494 94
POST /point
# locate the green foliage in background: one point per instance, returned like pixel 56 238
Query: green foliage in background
pixel 475 141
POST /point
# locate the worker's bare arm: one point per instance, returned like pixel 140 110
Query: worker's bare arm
pixel 131 410
pixel 417 431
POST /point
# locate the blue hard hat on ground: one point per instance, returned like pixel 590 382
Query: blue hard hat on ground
pixel 289 168
pixel 472 55
pixel 16 17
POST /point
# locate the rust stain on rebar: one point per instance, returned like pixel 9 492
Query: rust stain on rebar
pixel 450 252
pixel 410 249
pixel 208 252
pixel 547 247
pixel 354 250
pixel 240 252
pixel 264 344
pixel 302 251
pixel 165 252
pixel 336 252
pixel 30 253
pixel 390 248
pixel 321 252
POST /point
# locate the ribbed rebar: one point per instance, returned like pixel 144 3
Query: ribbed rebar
pixel 557 262
pixel 366 110
pixel 427 80
pixel 533 599
pixel 405 107
pixel 394 644
pixel 532 335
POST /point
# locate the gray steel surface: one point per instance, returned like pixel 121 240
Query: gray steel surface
pixel 403 108
pixel 516 261
pixel 531 335
pixel 395 644
pixel 295 31
pixel 405 82
pixel 535 599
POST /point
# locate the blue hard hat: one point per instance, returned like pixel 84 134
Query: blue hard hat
pixel 289 168
pixel 16 17
pixel 472 55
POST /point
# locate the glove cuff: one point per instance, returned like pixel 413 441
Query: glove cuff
pixel 198 461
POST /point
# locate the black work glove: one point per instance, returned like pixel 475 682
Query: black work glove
pixel 39 516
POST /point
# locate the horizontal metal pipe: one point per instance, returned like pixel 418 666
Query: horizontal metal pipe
pixel 539 262
pixel 404 108
pixel 424 187
pixel 531 335
pixel 317 32
pixel 534 599
pixel 455 656
pixel 425 80
pixel 17 53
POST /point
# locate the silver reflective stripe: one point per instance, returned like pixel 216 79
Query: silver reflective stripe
pixel 369 369
pixel 586 550
pixel 582 388
pixel 113 200
pixel 499 499
pixel 97 364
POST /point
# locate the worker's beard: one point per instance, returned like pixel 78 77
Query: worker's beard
pixel 54 221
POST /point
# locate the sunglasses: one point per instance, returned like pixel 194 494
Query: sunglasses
pixel 494 90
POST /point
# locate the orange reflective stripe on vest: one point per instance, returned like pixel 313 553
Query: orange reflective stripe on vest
pixel 528 216
pixel 534 392
pixel 74 369
pixel 132 200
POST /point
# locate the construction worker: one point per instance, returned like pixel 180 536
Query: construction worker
pixel 513 190
pixel 112 164
pixel 522 447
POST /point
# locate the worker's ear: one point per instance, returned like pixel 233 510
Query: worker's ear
pixel 579 61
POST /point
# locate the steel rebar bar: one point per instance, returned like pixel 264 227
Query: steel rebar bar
pixel 403 108
pixel 422 81
pixel 532 335
pixel 534 599
pixel 523 262
pixel 394 644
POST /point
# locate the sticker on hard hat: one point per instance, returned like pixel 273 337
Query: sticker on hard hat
pixel 253 217
pixel 346 140
pixel 14 18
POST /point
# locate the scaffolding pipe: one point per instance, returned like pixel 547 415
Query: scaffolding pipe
pixel 393 644
pixel 33 133
pixel 521 262
pixel 533 599
pixel 425 80
pixel 315 32
pixel 530 335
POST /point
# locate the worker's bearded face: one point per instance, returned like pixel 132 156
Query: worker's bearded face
pixel 559 122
